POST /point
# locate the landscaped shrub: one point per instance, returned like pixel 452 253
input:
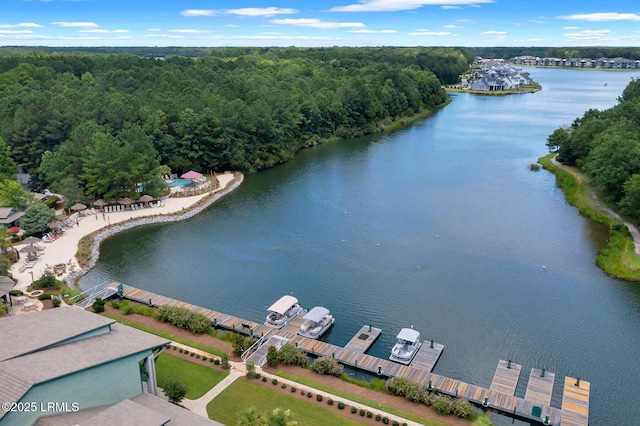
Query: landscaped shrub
pixel 264 379
pixel 354 410
pixel 309 394
pixel 416 392
pixel 16 293
pixel 251 369
pixel 45 296
pixel 302 392
pixel 126 307
pixel 463 408
pixel 330 401
pixel 385 420
pixel 204 358
pixel 98 305
pixel 378 417
pixel 214 361
pixel 180 350
pixel 442 405
pixel 274 381
pixel 284 386
pixel 293 389
pixel 369 414
pixel 319 397
pixel 174 347
pixel 327 365
pixel 291 355
pixel 362 412
pixel 197 356
pixel 224 362
pixel 396 423
pixel 272 356
pixel 56 301
pixel 240 342
pixel 378 385
pixel 47 280
pixel 183 318
pixel 341 405
pixel 398 385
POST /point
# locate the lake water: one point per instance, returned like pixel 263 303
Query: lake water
pixel 441 226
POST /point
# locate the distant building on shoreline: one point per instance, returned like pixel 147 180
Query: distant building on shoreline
pixel 603 63
pixel 493 75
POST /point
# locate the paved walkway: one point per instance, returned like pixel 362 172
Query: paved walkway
pixel 63 250
pixel 199 406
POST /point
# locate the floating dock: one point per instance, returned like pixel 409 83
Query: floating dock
pixel 363 339
pixel 500 395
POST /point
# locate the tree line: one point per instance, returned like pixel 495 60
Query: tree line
pixel 593 52
pixel 99 125
pixel 606 145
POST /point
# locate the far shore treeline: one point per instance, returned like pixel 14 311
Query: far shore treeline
pixel 98 124
pixel 606 145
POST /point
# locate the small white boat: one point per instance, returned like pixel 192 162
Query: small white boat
pixel 317 321
pixel 282 311
pixel 406 347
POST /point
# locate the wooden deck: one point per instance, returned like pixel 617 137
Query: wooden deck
pixel 500 395
pixel 575 402
pixel 539 387
pixel 363 339
pixel 505 379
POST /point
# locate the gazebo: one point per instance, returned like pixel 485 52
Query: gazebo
pixel 126 201
pixel 145 199
pixel 191 175
pixel 78 206
pixel 99 203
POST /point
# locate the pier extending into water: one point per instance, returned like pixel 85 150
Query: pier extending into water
pixel 535 406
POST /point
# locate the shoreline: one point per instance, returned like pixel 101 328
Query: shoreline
pixel 105 225
pixel 621 257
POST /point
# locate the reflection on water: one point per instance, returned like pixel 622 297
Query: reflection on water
pixel 440 226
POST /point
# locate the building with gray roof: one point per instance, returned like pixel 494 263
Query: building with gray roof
pixel 69 366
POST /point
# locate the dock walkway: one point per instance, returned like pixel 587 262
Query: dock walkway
pixel 500 395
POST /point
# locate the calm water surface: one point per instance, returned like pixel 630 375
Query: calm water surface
pixel 440 226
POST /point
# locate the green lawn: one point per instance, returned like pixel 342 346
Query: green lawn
pixel 168 336
pixel 243 394
pixel 198 378
pixel 359 399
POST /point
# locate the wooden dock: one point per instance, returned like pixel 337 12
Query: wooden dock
pixel 505 379
pixel 500 395
pixel 363 339
pixel 575 402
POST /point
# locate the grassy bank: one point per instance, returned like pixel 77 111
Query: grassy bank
pixel 618 258
pixel 199 379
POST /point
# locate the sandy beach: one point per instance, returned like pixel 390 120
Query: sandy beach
pixel 63 250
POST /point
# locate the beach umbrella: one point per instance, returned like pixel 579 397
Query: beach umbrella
pixel 146 198
pixel 32 240
pixel 126 201
pixel 28 249
pixel 62 217
pixel 78 206
pixel 191 175
pixel 99 203
pixel 14 229
pixel 55 224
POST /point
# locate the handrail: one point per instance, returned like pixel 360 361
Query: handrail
pixel 246 354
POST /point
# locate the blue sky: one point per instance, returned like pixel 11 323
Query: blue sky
pixel 319 23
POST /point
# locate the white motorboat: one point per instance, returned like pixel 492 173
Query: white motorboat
pixel 406 347
pixel 317 321
pixel 282 311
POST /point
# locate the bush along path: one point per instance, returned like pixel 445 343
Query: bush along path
pixel 199 406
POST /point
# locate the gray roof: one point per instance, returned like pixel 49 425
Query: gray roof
pixel 83 354
pixel 409 334
pixel 316 314
pixel 130 412
pixel 6 285
pixel 40 330
pixel 8 215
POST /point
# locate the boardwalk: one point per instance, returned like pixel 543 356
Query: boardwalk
pixel 500 395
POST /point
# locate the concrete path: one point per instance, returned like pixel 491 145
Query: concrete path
pixel 199 406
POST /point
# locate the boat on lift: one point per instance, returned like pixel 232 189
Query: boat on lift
pixel 406 346
pixel 317 321
pixel 282 311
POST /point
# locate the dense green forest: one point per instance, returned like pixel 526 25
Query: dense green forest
pixel 98 124
pixel 606 145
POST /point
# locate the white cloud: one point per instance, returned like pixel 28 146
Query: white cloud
pixel 188 31
pixel 538 21
pixel 232 26
pixel 588 35
pixel 103 31
pixel 494 32
pixel 76 24
pixel 449 7
pixel 22 24
pixel 396 5
pixel 570 28
pixel 373 31
pixel 463 20
pixel 261 11
pixel 14 32
pixel 316 23
pixel 452 26
pixel 432 33
pixel 199 12
pixel 602 17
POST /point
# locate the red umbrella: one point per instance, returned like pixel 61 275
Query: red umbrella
pixel 14 229
pixel 191 175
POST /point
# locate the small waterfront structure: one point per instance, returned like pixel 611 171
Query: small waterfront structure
pixel 406 347
pixel 282 311
pixel 317 321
